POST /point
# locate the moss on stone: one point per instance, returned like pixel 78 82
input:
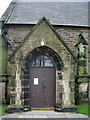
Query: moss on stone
pixel 3 56
pixel 4 78
pixel 12 69
pixel 12 83
pixel 72 98
pixel 43 25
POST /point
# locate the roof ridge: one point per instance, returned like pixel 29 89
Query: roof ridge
pixel 82 40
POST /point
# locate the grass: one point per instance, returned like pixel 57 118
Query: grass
pixel 84 109
pixel 2 110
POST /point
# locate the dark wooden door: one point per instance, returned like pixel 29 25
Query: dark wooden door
pixel 42 86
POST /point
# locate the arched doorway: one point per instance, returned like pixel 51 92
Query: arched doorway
pixel 42 82
pixel 40 78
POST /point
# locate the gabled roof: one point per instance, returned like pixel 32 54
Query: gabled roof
pixel 81 40
pixel 59 13
pixel 8 11
pixel 58 36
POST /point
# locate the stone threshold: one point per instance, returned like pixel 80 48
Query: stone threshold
pixel 46 114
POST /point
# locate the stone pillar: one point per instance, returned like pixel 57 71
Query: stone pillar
pixel 59 88
pixel 66 94
pixel 12 86
pixel 15 90
pixel 89 88
pixel 18 87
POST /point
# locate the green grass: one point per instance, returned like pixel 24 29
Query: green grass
pixel 2 110
pixel 84 109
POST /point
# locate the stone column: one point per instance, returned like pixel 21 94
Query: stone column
pixel 18 87
pixel 65 82
pixel 12 86
pixel 89 88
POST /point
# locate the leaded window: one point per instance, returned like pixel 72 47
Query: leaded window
pixel 42 60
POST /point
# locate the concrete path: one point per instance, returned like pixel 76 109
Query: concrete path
pixel 44 114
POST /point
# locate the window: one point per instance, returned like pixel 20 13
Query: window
pixel 42 60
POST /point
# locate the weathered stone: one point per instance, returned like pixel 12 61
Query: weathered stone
pixel 65 78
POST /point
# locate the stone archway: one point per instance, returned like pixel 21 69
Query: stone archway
pixel 58 74
pixel 55 47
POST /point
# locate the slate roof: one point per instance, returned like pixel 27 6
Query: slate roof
pixel 59 13
pixel 8 11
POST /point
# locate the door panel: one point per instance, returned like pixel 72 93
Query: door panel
pixel 42 87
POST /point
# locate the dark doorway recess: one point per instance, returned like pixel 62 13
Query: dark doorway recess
pixel 40 77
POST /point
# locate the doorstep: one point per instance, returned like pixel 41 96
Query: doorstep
pixel 45 115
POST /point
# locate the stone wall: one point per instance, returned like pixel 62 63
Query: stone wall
pixel 16 34
pixel 2 92
pixel 88 52
pixel 69 34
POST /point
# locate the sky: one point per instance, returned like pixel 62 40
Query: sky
pixel 5 3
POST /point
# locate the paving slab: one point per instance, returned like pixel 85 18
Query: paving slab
pixel 57 116
pixel 25 116
pixel 15 115
pixel 40 116
pixel 72 115
pixel 45 115
pixel 83 116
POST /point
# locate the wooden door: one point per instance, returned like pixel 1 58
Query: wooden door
pixel 42 85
